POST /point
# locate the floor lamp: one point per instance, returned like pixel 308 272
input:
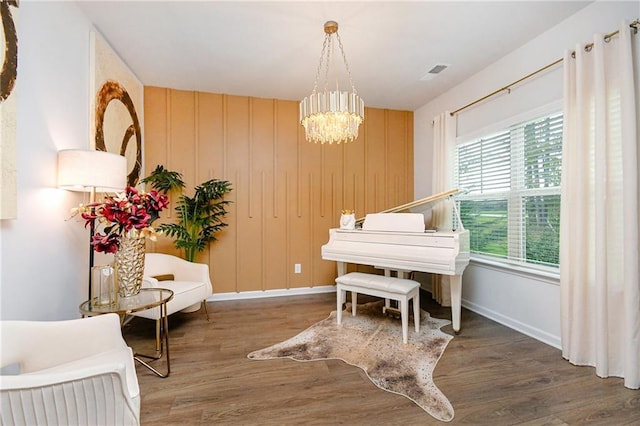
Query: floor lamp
pixel 91 171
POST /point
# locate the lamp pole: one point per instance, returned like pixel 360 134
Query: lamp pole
pixel 92 228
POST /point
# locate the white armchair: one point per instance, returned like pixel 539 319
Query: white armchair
pixel 189 282
pixel 69 372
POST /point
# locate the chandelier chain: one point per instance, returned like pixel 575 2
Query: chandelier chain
pixel 346 64
pixel 327 38
pixel 328 62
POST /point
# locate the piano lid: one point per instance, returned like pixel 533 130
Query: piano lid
pixel 413 205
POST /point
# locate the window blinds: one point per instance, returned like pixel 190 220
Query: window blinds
pixel 511 179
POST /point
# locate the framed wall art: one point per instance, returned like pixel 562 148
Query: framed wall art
pixel 8 77
pixel 116 107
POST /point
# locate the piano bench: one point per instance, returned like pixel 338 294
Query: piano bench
pixel 398 289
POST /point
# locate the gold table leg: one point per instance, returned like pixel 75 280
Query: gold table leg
pixel 164 345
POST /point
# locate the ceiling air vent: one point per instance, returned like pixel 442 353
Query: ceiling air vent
pixel 434 71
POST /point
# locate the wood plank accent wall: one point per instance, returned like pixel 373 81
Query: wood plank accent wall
pixel 287 192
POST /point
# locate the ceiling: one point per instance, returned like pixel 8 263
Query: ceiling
pixel 272 49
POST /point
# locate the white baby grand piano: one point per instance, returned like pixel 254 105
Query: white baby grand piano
pixel 396 241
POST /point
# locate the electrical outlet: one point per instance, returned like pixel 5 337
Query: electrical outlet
pixel 297 268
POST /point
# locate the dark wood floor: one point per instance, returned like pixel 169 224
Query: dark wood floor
pixel 491 374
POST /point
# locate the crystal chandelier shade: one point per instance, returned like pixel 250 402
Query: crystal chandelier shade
pixel 331 116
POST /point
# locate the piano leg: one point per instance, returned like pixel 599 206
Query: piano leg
pixel 341 297
pixel 456 296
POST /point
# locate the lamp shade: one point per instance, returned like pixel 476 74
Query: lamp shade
pixel 91 170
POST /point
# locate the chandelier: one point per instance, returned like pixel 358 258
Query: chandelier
pixel 331 116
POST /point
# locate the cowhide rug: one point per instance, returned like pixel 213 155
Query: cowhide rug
pixel 373 342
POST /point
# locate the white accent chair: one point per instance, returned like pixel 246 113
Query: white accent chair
pixel 189 282
pixel 67 372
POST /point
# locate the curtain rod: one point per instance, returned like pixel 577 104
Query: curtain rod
pixel 635 24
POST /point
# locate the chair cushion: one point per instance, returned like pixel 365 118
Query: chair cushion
pixel 378 282
pixel 122 356
pixel 185 294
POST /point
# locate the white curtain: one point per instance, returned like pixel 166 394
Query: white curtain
pixel 600 291
pixel 444 143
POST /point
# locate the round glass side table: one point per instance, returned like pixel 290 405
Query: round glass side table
pixel 148 298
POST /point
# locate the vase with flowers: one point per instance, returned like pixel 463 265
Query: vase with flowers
pixel 123 222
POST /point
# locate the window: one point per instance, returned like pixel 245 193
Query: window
pixel 511 179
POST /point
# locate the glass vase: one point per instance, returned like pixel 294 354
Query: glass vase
pixel 129 264
pixel 104 288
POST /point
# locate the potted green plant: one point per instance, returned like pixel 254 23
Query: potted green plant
pixel 199 217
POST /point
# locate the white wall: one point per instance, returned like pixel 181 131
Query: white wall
pixel 44 258
pixel 521 301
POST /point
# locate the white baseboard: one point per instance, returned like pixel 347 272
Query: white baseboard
pixel 521 327
pixel 271 293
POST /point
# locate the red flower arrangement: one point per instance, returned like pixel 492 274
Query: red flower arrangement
pixel 130 213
